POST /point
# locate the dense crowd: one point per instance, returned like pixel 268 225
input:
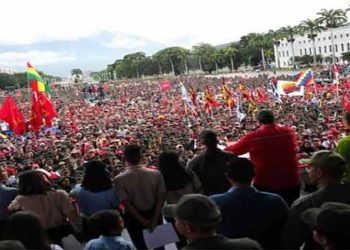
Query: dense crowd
pixel 129 155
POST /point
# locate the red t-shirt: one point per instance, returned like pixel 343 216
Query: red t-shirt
pixel 272 149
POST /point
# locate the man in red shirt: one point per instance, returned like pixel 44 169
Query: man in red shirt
pixel 272 149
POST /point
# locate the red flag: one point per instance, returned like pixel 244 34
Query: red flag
pixel 227 95
pixel 11 114
pixel 261 96
pixel 42 111
pixel 193 95
pixel 165 85
pixel 209 100
pixel 47 109
pixel 36 119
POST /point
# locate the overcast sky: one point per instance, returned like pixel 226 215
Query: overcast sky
pixel 57 35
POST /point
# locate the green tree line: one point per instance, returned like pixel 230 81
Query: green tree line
pixel 19 80
pixel 251 50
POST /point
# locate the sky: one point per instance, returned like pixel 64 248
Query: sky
pixel 58 35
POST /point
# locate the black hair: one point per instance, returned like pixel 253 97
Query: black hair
pixel 175 175
pixel 33 182
pixel 105 222
pixel 96 177
pixel 266 116
pixel 26 228
pixel 209 138
pixel 241 170
pixel 132 154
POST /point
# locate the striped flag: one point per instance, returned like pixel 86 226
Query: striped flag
pixel 305 78
pixel 226 94
pixel 36 81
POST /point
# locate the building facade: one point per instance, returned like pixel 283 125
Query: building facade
pixel 323 46
pixel 7 71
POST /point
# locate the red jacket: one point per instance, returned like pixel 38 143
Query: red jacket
pixel 272 149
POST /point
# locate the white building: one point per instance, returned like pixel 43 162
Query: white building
pixel 323 44
pixel 7 70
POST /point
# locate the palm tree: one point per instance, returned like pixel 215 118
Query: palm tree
pixel 218 55
pixel 332 19
pixel 277 36
pixel 158 57
pixel 312 27
pixel 289 32
pixel 230 52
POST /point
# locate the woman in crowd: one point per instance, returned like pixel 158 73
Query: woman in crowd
pixel 53 208
pixel 178 180
pixel 96 191
pixel 94 194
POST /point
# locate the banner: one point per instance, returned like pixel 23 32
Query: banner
pixel 289 88
pixel 165 85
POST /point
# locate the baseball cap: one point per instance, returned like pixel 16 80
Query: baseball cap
pixel 197 209
pixel 331 217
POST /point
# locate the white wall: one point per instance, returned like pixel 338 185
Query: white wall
pixel 303 45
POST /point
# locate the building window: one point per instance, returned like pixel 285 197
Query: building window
pixel 279 53
pixel 347 34
pixel 329 38
pixel 304 41
pixel 348 45
pixel 324 39
pixel 335 37
pixel 309 41
pixel 283 53
pixel 336 48
pixel 287 52
pixel 301 52
pixel 330 48
pixel 284 64
pixel 305 50
pixel 325 49
pixel 318 39
pixel 310 51
pixel 341 36
pixel 299 42
pixel 320 50
pixel 342 47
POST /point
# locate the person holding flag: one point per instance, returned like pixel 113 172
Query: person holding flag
pixel 227 95
pixel 187 100
pixel 13 116
pixel 42 110
pixel 209 101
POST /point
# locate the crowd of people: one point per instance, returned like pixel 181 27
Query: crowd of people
pixel 130 155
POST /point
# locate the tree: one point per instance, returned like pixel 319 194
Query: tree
pixel 176 56
pixel 230 52
pixel 218 57
pixel 311 27
pixel 305 59
pixel 346 56
pixel 289 32
pixel 110 71
pixel 332 19
pixel 277 36
pixel 205 54
pixel 133 62
pixel 76 72
pixel 252 46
